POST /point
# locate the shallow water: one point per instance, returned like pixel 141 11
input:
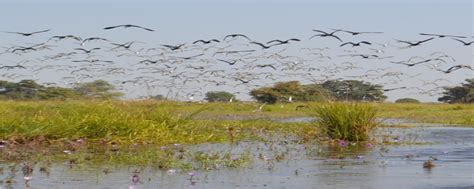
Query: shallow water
pixel 304 166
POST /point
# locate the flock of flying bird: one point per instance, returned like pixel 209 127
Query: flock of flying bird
pixel 235 61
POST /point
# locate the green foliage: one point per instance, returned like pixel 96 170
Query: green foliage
pixel 354 90
pixel 219 96
pixel 407 100
pixel 29 89
pixel 459 94
pixel 97 89
pixel 288 92
pixel 347 121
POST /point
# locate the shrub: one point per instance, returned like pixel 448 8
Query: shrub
pixel 407 100
pixel 347 121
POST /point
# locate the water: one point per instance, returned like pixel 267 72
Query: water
pixel 304 166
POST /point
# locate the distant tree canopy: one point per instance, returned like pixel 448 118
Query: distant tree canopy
pixel 407 100
pixel 354 90
pixel 29 89
pixel 350 90
pixel 219 96
pixel 97 89
pixel 290 91
pixel 459 94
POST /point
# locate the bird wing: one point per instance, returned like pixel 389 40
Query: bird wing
pixel 202 41
pixel 366 42
pixel 346 44
pixel 336 37
pixel 259 44
pixel 112 27
pixel 429 39
pixel 41 31
pixel 323 32
pixel 147 29
pixel 275 40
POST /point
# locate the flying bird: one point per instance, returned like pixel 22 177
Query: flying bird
pixel 464 42
pixel 356 33
pixel 441 35
pixel 86 51
pixel 325 34
pixel 266 65
pixel 61 37
pixel 127 26
pixel 456 67
pixel 236 35
pixel 92 39
pixel 261 45
pixel 230 62
pixel 174 47
pixel 28 34
pixel 280 42
pixel 356 44
pixel 417 43
pixel 206 42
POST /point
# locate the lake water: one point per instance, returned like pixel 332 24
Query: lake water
pixel 398 165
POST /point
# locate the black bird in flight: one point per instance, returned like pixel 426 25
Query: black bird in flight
pixel 206 42
pixel 230 62
pixel 417 43
pixel 356 44
pixel 174 47
pixel 261 45
pixel 12 67
pixel 266 65
pixel 325 34
pixel 61 37
pixel 456 67
pixel 236 35
pixel 464 42
pixel 86 51
pixel 280 42
pixel 28 34
pixel 93 39
pixel 356 33
pixel 385 90
pixel 127 26
pixel 416 63
pixel 441 35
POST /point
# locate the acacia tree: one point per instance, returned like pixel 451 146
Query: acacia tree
pixel 459 94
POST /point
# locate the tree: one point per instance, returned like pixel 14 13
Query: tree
pixel 97 89
pixel 459 94
pixel 219 96
pixel 354 90
pixel 29 89
pixel 407 100
pixel 290 91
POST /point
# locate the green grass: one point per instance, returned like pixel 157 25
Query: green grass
pixel 45 129
pixel 346 121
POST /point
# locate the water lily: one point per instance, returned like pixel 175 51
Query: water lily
pixel 343 143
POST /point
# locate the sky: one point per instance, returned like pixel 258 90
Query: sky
pixel 185 21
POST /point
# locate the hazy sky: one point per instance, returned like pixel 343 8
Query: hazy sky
pixel 185 21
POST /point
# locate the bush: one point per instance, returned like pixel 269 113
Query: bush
pixel 219 96
pixel 347 121
pixel 407 100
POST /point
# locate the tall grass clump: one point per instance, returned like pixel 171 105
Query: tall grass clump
pixel 347 121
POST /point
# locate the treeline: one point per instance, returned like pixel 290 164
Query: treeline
pixel 29 89
pixel 347 90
